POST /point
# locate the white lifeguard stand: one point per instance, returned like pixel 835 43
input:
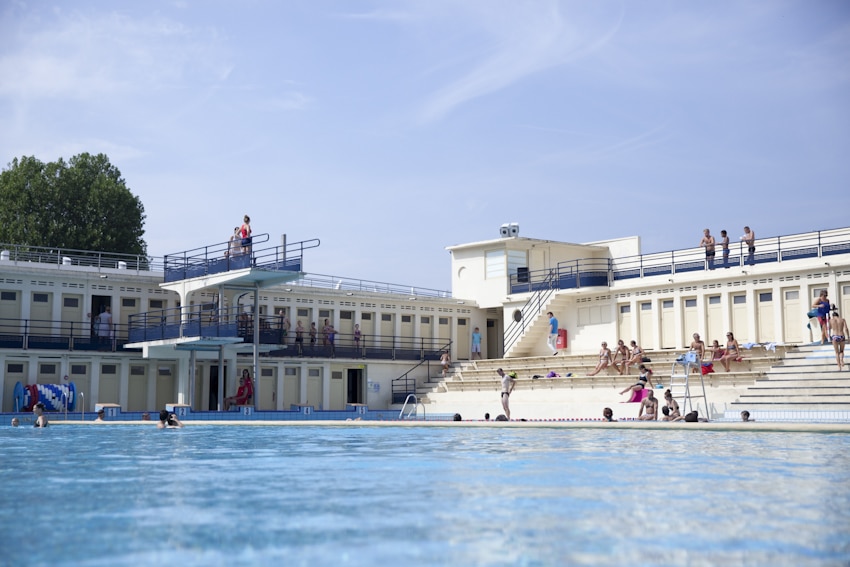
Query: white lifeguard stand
pixel 680 382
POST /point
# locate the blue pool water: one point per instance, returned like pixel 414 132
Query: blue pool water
pixel 365 495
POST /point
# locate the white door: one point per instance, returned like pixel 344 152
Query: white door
pixel 792 316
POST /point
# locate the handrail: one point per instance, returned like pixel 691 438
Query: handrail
pixel 221 257
pixel 535 302
pixel 590 271
pixel 416 404
pixel 324 281
pixel 73 257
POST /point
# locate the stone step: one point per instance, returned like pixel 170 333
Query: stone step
pixel 830 401
pixel 836 390
pixel 791 383
pixel 790 406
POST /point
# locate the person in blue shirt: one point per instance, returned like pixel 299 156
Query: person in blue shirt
pixel 476 343
pixel 552 338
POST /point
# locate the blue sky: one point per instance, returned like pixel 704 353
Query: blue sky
pixel 391 130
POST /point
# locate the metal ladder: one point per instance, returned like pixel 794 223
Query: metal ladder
pixel 680 382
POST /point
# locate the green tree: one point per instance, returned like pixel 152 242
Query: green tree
pixel 83 205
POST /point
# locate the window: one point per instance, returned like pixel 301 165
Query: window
pixel 667 304
pixel 39 298
pixel 426 320
pixel 386 317
pixel 625 309
pixel 137 371
pixel 646 306
pixel 156 303
pixel 78 369
pixel 128 302
pixel 47 369
pixel 516 259
pixel 290 371
pixel 461 322
pixel 792 294
pixel 336 375
pixel 71 302
pixel 314 372
pixel 346 315
pixel 108 369
pixel 266 371
pixel 765 297
pixel 495 264
pixel 739 299
pixel 366 316
pixel 8 295
pixel 406 318
pixel 444 321
pixel 690 303
pixel 15 368
pixel 324 314
pixel 303 313
pixel 164 371
pixel 714 300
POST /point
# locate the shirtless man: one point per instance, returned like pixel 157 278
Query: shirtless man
pixel 698 346
pixel 707 242
pixel 650 404
pixel 724 245
pixel 508 384
pixel 839 332
pixel 749 239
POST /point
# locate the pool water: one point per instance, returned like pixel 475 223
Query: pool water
pixel 366 495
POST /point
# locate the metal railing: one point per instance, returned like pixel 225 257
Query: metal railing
pixel 605 271
pixel 63 258
pixel 223 257
pixel 66 257
pixel 530 311
pixel 323 281
pixel 60 335
pixel 207 321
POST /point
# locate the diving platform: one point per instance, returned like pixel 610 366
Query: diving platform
pixel 256 266
pixel 221 266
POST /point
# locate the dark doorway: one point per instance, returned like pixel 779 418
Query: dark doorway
pixel 102 330
pixel 354 393
pixel 213 397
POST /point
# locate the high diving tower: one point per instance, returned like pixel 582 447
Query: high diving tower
pixel 199 327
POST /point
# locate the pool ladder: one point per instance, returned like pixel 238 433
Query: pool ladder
pixel 414 408
pixel 680 385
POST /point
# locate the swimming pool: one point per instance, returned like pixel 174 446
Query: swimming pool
pixel 365 495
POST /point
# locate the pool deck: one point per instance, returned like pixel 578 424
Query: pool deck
pixel 720 425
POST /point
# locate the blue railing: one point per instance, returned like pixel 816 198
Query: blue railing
pixel 222 257
pixel 67 258
pixel 604 272
pixel 26 334
pixel 530 311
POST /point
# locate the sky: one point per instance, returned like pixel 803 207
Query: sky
pixel 391 130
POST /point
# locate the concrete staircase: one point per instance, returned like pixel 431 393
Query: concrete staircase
pixel 807 379
pixel 533 340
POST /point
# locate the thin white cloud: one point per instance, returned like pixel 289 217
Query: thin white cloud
pixel 597 152
pixel 525 40
pixel 379 16
pixel 77 56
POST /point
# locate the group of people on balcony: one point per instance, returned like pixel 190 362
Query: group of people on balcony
pixel 709 243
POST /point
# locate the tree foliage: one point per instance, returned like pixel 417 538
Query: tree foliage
pixel 83 205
